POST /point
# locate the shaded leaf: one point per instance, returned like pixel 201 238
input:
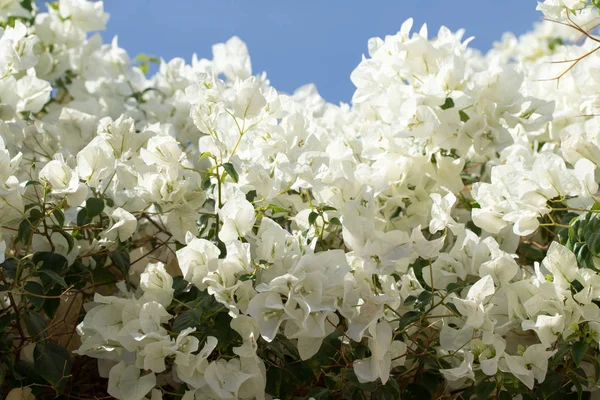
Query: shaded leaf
pixel 231 171
pixel 35 294
pixel 122 261
pixel 409 318
pixel 485 389
pixel 578 351
pixel 312 217
pixel 415 392
pixel 449 103
pixel 36 325
pixel 53 363
pixel 60 216
pixel 24 232
pixel 94 207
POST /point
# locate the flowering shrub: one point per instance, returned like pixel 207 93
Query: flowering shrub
pixel 196 234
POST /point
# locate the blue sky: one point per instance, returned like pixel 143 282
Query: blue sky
pixel 302 41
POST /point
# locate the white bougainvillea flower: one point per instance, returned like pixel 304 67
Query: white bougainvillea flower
pixel 231 58
pixel 124 225
pixel 152 316
pixel 377 366
pixel 473 305
pixel 157 284
pixel 556 9
pixel 547 327
pixel 86 15
pixel 12 8
pixel 529 367
pixel 238 217
pixel 561 263
pixel 94 163
pixel 248 101
pixel 126 382
pixel 190 368
pixel 427 249
pixel 32 93
pixel 440 212
pixel 197 259
pixel 463 371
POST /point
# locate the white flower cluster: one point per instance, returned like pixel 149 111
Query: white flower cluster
pixel 301 217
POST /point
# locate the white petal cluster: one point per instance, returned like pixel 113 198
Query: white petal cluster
pixel 402 215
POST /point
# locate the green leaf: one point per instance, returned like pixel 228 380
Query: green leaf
pixel 51 304
pixel 593 242
pixel 51 268
pixel 423 300
pixel 368 387
pixel 390 391
pixel 9 267
pixel 23 370
pixel 82 217
pixel 94 207
pixel 230 169
pixel 204 155
pixel 562 350
pixel 223 331
pixel 36 291
pixel 551 385
pixel 409 318
pixel 596 364
pixel 578 386
pixel 449 103
pixel 277 209
pixel 206 182
pixel 557 41
pixel 335 221
pixel 274 380
pixel 527 113
pixel 69 238
pixel 578 351
pixel 504 396
pixel 36 325
pixel 60 216
pixel 50 261
pixel 485 389
pixel 409 301
pixel 35 215
pixel 54 277
pixel 179 285
pixel 28 5
pixel 102 276
pixel 32 183
pixel 188 318
pixel 318 394
pixel 312 217
pixel 122 261
pixel 144 60
pixel 24 232
pixel 53 363
pixel 251 195
pixel 464 117
pixel 415 392
pixel 454 287
pixel 357 395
